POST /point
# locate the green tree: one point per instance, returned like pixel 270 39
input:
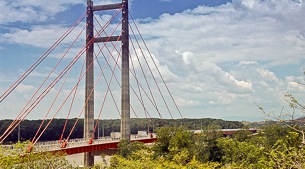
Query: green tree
pixel 273 133
pixel 174 143
pixel 243 134
pixel 18 158
pixel 285 155
pixel 161 147
pixel 126 149
pixel 243 154
pixel 205 145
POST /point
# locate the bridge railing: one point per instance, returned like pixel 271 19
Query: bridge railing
pixel 57 145
pixel 78 142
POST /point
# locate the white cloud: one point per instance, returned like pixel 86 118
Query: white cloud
pixel 219 60
pixel 32 10
pixel 241 84
pixel 42 75
pixel 42 36
pixel 182 102
pixel 246 62
pixel 248 3
pixel 23 88
pixel 188 57
pixel 267 75
pixel 225 54
pixel 150 64
pixel 227 33
pixel 295 84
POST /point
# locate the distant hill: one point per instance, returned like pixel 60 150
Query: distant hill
pixel 259 124
pixel 28 128
pixel 299 121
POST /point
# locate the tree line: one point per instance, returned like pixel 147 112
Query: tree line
pixel 28 128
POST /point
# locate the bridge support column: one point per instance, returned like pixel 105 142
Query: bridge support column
pixel 125 100
pixel 89 88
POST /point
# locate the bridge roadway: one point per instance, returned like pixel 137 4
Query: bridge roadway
pixel 81 145
pixel 76 146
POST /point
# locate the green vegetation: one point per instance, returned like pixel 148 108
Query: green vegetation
pixel 274 146
pixel 53 132
pixel 18 158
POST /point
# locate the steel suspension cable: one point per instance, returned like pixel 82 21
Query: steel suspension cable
pixel 53 83
pixel 154 102
pixel 99 65
pixel 72 101
pixel 74 88
pixel 62 73
pixel 156 66
pixel 151 73
pixel 145 75
pixel 108 88
pixel 87 99
pixel 130 85
pixel 119 82
pixel 103 27
pixel 60 89
pixel 112 70
pixel 133 67
pixel 19 117
pixel 40 59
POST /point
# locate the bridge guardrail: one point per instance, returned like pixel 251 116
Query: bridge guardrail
pixel 56 144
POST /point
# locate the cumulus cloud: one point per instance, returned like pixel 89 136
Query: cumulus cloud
pixel 220 59
pixel 236 31
pixel 23 88
pixel 42 36
pixel 225 53
pixel 295 84
pixel 246 62
pixel 268 75
pixel 31 10
pixel 143 60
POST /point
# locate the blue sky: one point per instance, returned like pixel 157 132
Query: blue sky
pixel 220 58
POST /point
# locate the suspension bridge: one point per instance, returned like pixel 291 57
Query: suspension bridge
pixel 105 54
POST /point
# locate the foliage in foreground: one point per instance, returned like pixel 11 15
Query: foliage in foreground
pixel 179 148
pixel 18 158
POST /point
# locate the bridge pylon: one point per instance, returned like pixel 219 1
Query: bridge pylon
pixel 89 88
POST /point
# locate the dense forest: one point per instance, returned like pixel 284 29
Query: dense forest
pixel 28 128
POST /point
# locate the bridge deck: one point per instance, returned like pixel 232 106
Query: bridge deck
pixel 75 146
